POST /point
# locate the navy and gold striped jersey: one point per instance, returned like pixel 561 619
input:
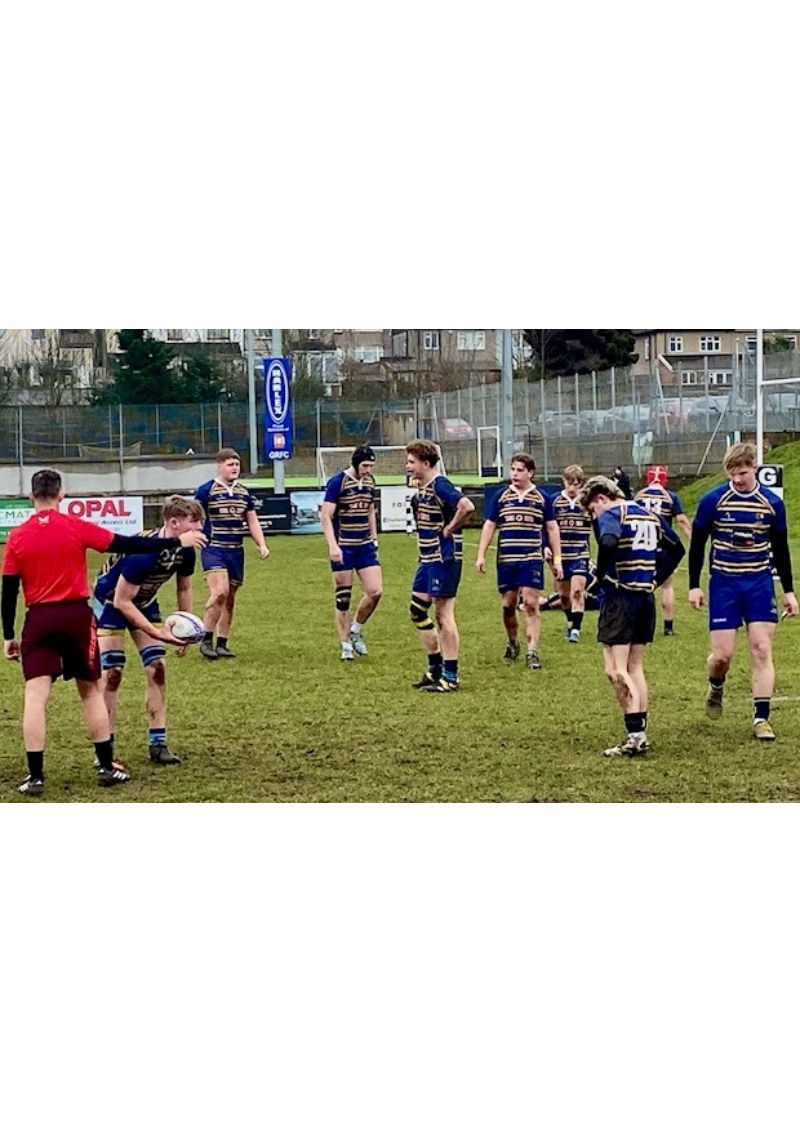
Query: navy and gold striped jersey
pixel 656 498
pixel 633 566
pixel 226 513
pixel 574 526
pixel 434 506
pixel 520 519
pixel 740 527
pixel 147 571
pixel 353 498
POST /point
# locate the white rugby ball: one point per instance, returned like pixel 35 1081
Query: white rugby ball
pixel 185 626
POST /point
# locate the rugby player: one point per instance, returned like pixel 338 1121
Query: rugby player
pixel 47 556
pixel 350 526
pixel 522 513
pixel 629 568
pixel 126 597
pixel 744 521
pixel 574 526
pixel 441 510
pixel 656 497
pixel 230 514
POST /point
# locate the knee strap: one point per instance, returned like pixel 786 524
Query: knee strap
pixel 114 658
pixel 344 595
pixel 151 653
pixel 420 614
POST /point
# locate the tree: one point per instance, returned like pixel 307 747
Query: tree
pixel 581 351
pixel 780 344
pixel 142 373
pixel 202 378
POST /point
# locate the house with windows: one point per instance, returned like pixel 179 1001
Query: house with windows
pixel 693 357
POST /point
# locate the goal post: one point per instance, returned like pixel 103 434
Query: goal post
pixel 390 462
pixel 490 464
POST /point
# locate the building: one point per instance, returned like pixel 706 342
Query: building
pixel 51 366
pixel 693 357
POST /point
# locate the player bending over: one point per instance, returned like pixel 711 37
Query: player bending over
pixel 47 556
pixel 521 513
pixel 744 521
pixel 441 511
pixel 126 598
pixel 629 567
pixel 574 526
pixel 658 499
pixel 230 515
pixel 350 526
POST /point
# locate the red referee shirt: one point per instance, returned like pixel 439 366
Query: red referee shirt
pixel 48 551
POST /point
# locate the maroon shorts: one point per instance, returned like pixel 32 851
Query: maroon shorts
pixel 60 639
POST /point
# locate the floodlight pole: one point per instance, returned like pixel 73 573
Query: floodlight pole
pixel 760 396
pixel 507 402
pixel 278 470
pixel 251 401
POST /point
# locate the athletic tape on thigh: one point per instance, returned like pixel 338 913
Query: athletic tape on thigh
pixel 151 653
pixel 420 614
pixel 114 658
pixel 343 598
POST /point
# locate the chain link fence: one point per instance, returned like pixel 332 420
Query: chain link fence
pixel 683 418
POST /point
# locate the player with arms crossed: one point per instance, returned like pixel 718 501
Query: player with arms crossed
pixel 522 513
pixel 350 526
pixel 574 526
pixel 744 521
pixel 657 498
pixel 636 551
pixel 126 598
pixel 441 510
pixel 47 556
pixel 230 514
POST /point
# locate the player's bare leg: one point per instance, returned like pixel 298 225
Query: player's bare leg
pixel 510 623
pixel 533 625
pixel 218 589
pixel 449 641
pixel 577 605
pixel 371 578
pixel 429 639
pixel 34 717
pixel 623 664
pixel 723 643
pixel 97 724
pixel 565 594
pixel 112 677
pixel 668 605
pixel 759 638
pixel 224 624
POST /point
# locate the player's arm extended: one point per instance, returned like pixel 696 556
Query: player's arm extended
pixel 326 513
pixel 685 524
pixel 779 541
pixel 8 612
pixel 124 594
pixel 257 533
pixel 553 532
pixel 463 511
pixel 487 534
pixel 373 523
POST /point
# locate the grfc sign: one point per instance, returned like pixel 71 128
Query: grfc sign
pixel 278 409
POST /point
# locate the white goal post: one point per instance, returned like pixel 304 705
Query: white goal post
pixel 490 461
pixel 390 462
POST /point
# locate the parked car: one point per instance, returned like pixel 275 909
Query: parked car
pixel 455 428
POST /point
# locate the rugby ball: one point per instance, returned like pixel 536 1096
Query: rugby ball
pixel 186 627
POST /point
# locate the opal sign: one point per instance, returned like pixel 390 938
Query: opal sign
pixel 278 409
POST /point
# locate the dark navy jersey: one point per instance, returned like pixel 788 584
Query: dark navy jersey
pixel 740 526
pixel 226 511
pixel 353 499
pixel 434 506
pixel 147 571
pixel 660 501
pixel 633 566
pixel 520 519
pixel 574 526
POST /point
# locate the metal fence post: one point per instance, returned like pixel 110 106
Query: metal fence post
pixel 577 408
pixel 202 427
pixel 708 405
pixel 21 452
pixel 121 449
pixel 613 401
pixel 219 426
pixel 560 416
pixel 63 432
pixel 545 452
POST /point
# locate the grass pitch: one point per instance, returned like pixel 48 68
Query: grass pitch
pixel 287 721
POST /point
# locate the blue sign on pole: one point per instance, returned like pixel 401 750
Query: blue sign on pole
pixel 278 408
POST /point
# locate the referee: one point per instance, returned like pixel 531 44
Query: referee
pixel 47 556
